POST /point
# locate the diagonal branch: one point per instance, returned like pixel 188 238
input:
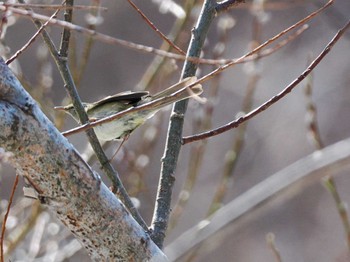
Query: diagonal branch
pixel 272 100
pixel 275 190
pixel 31 40
pixel 61 62
pixel 64 182
pixel 164 37
pixel 147 49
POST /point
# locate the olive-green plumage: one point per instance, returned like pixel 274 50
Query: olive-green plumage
pixel 122 127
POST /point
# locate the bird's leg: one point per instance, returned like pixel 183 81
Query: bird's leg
pixel 120 146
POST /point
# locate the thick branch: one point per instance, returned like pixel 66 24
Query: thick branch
pixel 64 182
pixel 61 59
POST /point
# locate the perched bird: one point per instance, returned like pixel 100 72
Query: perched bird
pixel 122 127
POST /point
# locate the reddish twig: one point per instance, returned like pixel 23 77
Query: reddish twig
pixel 272 100
pixel 239 60
pixel 3 228
pixel 146 49
pixel 149 105
pixel 164 37
pixel 208 76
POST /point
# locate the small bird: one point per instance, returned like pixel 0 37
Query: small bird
pixel 122 127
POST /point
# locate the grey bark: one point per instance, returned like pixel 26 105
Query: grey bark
pixel 65 183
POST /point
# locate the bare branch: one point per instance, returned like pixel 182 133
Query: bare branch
pixel 149 105
pixel 64 182
pixel 156 29
pixel 45 6
pixel 276 189
pixel 227 5
pixel 146 49
pixel 272 100
pixel 61 62
pixel 3 227
pixel 173 144
pixel 31 40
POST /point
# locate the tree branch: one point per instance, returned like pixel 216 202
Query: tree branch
pixel 275 190
pixel 60 59
pixel 272 100
pixel 64 182
pixel 226 5
pixel 173 144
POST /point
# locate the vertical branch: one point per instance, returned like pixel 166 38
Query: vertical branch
pixel 68 16
pixel 311 115
pixel 203 121
pixel 94 20
pixel 342 209
pixel 173 143
pixel 238 140
pixel 328 181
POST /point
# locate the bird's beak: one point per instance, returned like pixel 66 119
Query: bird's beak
pixel 60 108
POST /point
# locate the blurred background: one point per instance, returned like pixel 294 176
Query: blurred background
pixel 306 227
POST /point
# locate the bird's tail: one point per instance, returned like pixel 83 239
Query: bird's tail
pixel 177 92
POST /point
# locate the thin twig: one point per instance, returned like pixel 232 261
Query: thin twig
pixel 3 228
pixel 237 144
pixel 271 192
pixel 272 100
pixel 45 6
pixel 257 49
pixel 226 5
pixel 87 47
pixel 105 38
pixel 31 40
pixel 144 107
pixel 164 37
pixel 3 21
pixel 274 5
pixel 107 167
pixel 157 65
pixel 329 183
pixel 146 49
pixel 201 80
pixel 311 116
pixel 22 231
pixel 118 186
pixel 202 121
pixel 270 240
